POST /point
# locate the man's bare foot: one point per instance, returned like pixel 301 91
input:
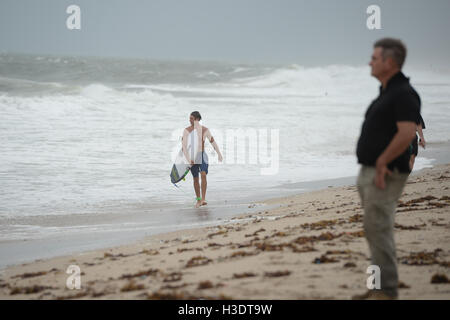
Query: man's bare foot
pixel 198 204
pixel 204 203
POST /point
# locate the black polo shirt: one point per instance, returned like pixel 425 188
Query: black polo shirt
pixel 397 102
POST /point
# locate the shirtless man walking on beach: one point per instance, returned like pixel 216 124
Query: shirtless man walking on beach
pixel 200 163
pixel 414 145
pixel 383 152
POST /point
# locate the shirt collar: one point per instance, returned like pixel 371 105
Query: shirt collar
pixel 396 78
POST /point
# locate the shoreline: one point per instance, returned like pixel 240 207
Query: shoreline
pixel 307 246
pixel 19 251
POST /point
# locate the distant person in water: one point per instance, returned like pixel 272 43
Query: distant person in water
pixel 414 147
pixel 200 162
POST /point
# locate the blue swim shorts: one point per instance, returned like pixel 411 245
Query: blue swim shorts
pixel 198 167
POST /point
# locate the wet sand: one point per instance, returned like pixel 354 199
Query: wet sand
pixel 69 234
pixel 307 246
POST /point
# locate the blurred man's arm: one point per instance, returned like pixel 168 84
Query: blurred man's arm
pixel 406 131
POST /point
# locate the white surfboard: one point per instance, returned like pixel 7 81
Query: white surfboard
pixel 181 165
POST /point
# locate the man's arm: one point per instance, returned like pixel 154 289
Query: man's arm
pixel 214 144
pixel 406 131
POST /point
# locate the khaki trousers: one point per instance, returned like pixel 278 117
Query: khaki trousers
pixel 379 215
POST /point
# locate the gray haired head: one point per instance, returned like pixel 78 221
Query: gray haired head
pixel 393 48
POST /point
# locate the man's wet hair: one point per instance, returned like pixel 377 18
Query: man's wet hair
pixel 393 48
pixel 196 115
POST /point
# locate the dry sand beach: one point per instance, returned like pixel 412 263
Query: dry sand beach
pixel 309 246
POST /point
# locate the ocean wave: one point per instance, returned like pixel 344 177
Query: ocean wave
pixel 28 87
pixel 291 81
pixel 71 143
pixel 96 91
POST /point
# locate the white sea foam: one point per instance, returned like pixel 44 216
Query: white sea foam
pixel 93 144
pixel 95 91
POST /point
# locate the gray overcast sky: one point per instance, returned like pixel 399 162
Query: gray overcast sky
pixel 271 31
